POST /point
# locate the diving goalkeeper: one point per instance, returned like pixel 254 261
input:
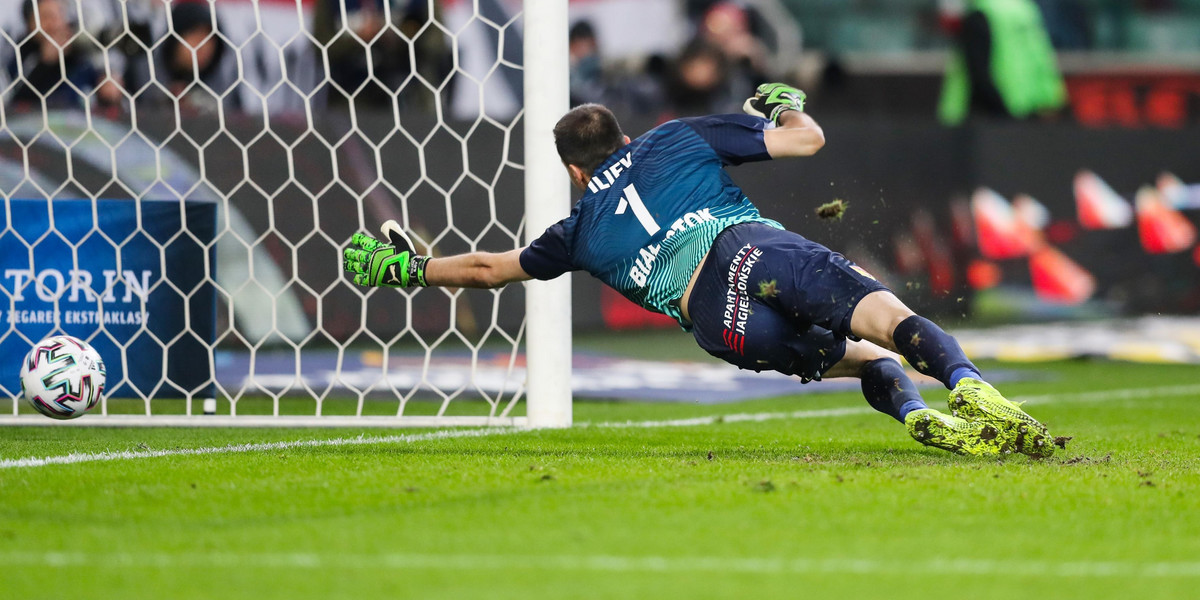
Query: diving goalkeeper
pixel 661 222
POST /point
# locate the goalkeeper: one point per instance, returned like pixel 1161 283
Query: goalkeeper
pixel 661 222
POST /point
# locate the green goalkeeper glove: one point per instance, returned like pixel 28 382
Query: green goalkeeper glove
pixel 374 263
pixel 771 100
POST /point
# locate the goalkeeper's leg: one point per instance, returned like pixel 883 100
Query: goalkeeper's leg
pixel 885 320
pixel 885 385
pixel 889 390
pixel 767 299
pixel 766 340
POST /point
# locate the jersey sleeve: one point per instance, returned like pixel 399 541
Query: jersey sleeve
pixel 735 138
pixel 548 256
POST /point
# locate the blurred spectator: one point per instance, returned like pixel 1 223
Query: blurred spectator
pixel 699 83
pixel 1004 65
pixel 50 65
pixel 369 44
pixel 720 67
pixel 726 26
pixel 587 75
pixel 201 70
pixel 641 91
pixel 126 28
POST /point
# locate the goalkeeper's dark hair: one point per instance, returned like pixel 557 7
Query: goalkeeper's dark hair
pixel 587 135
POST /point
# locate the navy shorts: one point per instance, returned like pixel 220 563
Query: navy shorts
pixel 770 299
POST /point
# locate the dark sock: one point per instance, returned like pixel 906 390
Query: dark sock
pixel 932 351
pixel 963 372
pixel 889 390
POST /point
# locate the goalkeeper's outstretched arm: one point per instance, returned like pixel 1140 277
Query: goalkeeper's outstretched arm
pixel 476 270
pixel 376 263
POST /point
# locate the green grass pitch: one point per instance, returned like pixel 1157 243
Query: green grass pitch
pixel 834 504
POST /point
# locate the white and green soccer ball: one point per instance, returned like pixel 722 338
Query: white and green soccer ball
pixel 62 377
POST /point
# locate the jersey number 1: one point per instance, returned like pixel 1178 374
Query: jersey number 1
pixel 632 198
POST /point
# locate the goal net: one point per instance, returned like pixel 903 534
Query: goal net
pixel 179 179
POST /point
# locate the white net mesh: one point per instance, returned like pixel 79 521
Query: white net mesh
pixel 179 180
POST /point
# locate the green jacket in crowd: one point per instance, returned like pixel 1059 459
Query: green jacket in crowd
pixel 1005 64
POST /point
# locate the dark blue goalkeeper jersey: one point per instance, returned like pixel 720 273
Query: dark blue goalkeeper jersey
pixel 653 209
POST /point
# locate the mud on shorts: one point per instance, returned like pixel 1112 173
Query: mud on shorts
pixel 770 299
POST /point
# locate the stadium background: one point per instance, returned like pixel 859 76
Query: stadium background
pixel 931 207
pixel 873 73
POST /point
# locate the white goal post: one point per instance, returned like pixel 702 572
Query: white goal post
pixel 178 185
pixel 547 303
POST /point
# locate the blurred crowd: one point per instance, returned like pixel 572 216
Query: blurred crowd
pixel 406 54
pixel 723 58
pixel 117 54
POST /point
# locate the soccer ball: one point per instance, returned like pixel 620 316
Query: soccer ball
pixel 62 377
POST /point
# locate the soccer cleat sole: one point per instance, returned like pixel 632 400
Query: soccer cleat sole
pixel 955 435
pixel 975 400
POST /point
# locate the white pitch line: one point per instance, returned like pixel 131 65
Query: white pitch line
pixel 14 463
pixel 68 459
pixel 1105 395
pixel 608 563
pixel 1096 396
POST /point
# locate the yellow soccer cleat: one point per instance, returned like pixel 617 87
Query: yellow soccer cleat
pixel 975 400
pixel 960 436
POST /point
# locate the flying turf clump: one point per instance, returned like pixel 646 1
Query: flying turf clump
pixel 834 209
pixel 768 289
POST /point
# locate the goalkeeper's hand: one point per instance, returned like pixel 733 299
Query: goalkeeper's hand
pixel 771 100
pixel 374 263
